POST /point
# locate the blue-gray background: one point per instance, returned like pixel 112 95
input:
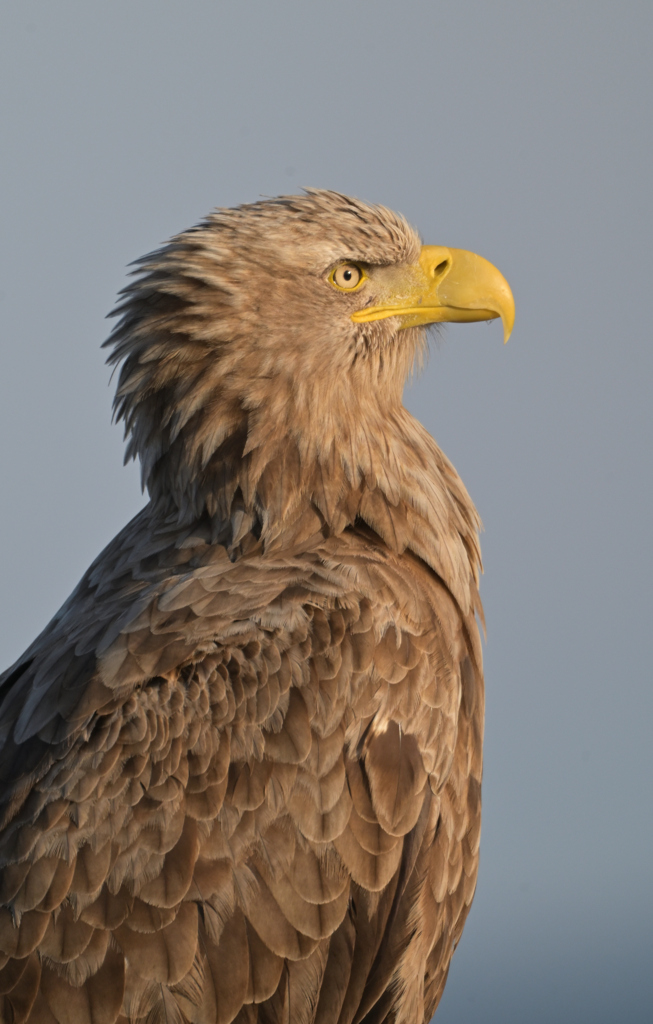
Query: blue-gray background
pixel 519 130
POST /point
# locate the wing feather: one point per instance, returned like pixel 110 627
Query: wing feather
pixel 248 786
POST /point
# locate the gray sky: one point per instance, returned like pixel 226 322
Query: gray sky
pixel 519 130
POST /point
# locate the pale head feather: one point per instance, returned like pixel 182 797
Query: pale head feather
pixel 250 396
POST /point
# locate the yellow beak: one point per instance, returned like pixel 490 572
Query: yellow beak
pixel 446 285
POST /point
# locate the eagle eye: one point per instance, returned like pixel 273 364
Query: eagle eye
pixel 346 277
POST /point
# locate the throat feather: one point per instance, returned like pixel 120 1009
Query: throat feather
pixel 391 476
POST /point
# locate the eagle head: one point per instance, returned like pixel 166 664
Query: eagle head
pixel 276 337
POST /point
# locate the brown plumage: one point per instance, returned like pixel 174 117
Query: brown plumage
pixel 241 767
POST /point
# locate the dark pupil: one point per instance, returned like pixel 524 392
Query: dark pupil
pixel 347 275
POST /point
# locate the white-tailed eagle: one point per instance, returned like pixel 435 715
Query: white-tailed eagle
pixel 241 767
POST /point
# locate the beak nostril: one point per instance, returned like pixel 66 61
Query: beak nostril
pixel 440 269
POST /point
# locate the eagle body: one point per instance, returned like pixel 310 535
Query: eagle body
pixel 241 767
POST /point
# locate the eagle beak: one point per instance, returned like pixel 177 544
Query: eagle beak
pixel 446 285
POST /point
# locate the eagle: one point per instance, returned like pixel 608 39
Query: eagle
pixel 241 767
